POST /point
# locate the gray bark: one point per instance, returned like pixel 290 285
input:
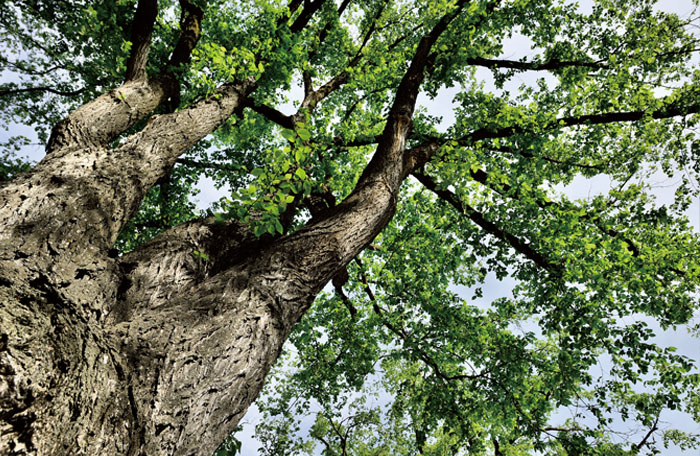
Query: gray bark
pixel 69 374
pixel 157 352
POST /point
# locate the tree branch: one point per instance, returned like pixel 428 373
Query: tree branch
pixel 271 114
pixel 101 120
pixel 428 149
pixel 422 355
pixel 507 190
pixel 653 429
pixel 65 93
pixel 478 218
pixel 673 110
pixel 141 32
pixel 553 64
pixel 310 8
pixel 400 332
pixel 19 66
pixel 305 260
pixel 422 153
pixel 190 29
pixel 512 151
pixel 186 127
pixel 326 29
pixel 313 97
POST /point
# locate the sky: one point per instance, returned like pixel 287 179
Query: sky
pixel 443 105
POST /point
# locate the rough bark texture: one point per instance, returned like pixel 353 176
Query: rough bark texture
pixel 67 373
pixel 157 352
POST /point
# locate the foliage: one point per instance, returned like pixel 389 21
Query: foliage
pixel 407 356
pixel 230 447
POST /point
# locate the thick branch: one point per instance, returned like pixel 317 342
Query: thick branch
pixel 407 90
pixel 101 120
pixel 334 242
pixel 98 122
pixel 190 29
pixel 422 153
pixel 204 354
pixel 167 136
pixel 141 32
pixel 310 8
pixel 158 146
pixel 271 114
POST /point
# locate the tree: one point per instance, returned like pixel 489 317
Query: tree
pixel 132 325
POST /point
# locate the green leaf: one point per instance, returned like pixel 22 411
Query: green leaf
pixel 304 134
pixel 289 135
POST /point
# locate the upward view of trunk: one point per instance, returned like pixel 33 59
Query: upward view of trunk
pixel 158 352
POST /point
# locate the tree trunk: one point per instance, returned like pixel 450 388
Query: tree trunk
pixel 158 351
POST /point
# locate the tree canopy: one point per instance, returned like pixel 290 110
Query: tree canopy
pixel 566 364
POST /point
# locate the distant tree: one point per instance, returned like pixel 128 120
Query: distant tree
pixel 130 324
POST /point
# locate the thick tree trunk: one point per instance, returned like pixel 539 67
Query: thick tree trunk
pixel 158 352
pixel 154 353
pixel 70 380
pixel 173 379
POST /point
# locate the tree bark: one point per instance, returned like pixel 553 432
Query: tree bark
pixel 68 374
pixel 158 351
